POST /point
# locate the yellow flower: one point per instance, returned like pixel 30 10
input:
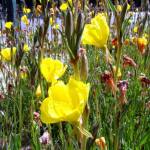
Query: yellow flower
pixel 23 75
pixel 135 29
pixel 51 21
pixel 145 35
pixel 56 26
pixel 118 73
pixel 6 53
pixel 26 10
pixel 97 32
pixel 25 20
pixel 128 6
pixel 142 41
pixel 66 102
pixel 64 6
pixel 119 8
pixel 26 47
pixel 38 91
pixel 52 69
pixel 8 25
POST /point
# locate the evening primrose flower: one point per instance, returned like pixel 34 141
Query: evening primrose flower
pixel 128 6
pixel 97 32
pixel 8 25
pixel 135 29
pixel 52 69
pixel 56 26
pixel 66 102
pixel 26 10
pixel 142 43
pixel 26 47
pixel 51 21
pixel 119 74
pixel 64 6
pixel 25 20
pixel 7 53
pixel 119 8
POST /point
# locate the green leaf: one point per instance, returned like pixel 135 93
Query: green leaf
pixel 111 5
pixel 85 132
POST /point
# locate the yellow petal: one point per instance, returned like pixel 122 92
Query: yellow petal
pixel 26 10
pixel 6 53
pixel 52 69
pixel 66 102
pixel 25 20
pixel 26 48
pixel 8 25
pixel 97 32
pixel 64 6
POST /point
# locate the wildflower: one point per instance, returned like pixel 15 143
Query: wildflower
pixel 25 20
pixel 144 81
pixel 127 61
pixel 7 53
pixel 142 43
pixel 8 25
pixel 101 143
pixel 51 21
pixel 118 73
pixel 26 47
pixel 26 10
pixel 51 11
pixel 64 6
pixel 38 10
pixel 56 26
pixel 134 40
pixel 114 42
pixel 123 85
pixel 107 78
pixel 23 72
pixel 37 120
pixel 119 8
pixel 36 115
pixel 97 32
pixel 23 75
pixel 126 42
pixel 128 6
pixel 45 138
pixel 52 69
pixel 66 102
pixel 38 92
pixel 135 29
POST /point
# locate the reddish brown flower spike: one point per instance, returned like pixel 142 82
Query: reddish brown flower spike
pixel 123 86
pixel 127 61
pixel 107 78
pixel 145 81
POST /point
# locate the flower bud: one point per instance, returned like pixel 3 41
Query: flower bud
pixel 38 92
pixel 84 65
